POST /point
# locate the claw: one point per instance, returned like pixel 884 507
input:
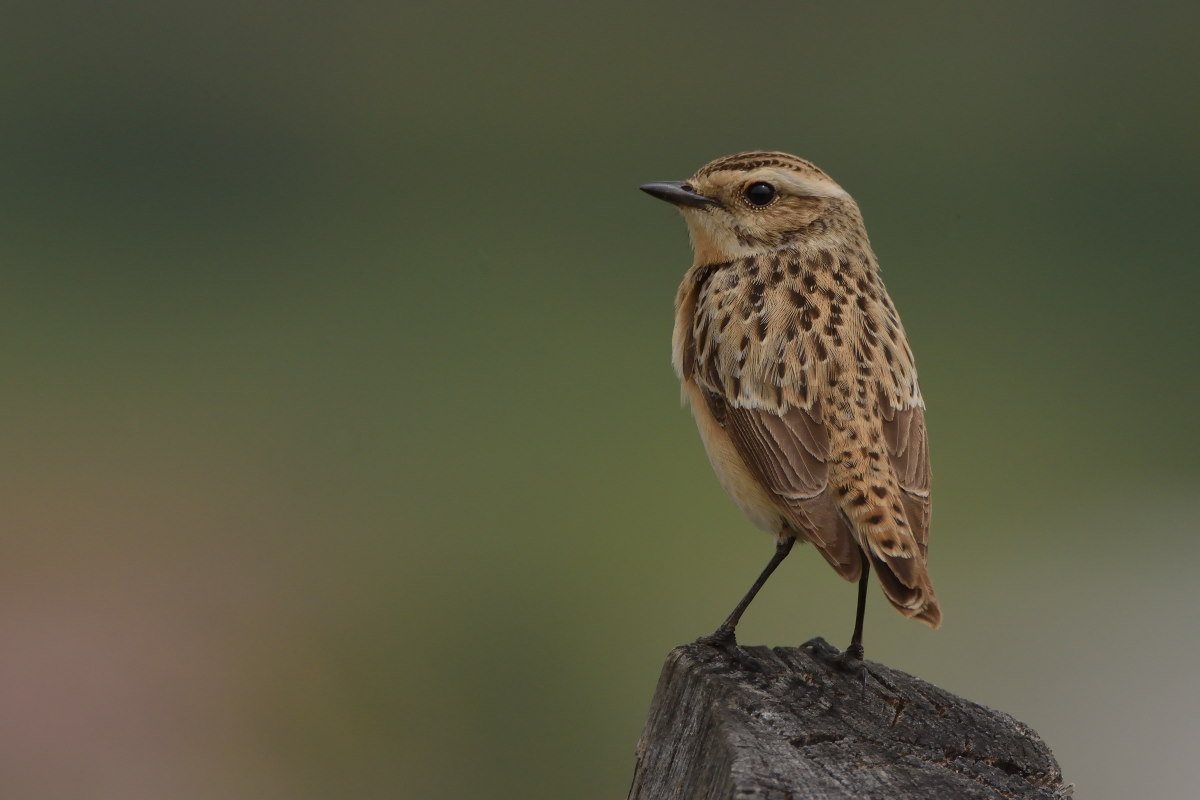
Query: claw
pixel 854 653
pixel 723 639
pixel 852 661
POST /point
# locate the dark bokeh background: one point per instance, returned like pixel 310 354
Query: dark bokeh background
pixel 343 455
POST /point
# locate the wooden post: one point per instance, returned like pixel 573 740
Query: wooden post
pixel 790 724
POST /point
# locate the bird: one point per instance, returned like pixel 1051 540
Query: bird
pixel 799 375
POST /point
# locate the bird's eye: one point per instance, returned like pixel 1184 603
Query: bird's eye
pixel 759 194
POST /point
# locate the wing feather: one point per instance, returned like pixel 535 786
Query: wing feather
pixel 908 445
pixel 789 453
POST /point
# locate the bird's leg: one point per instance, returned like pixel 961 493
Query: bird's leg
pixel 723 637
pixel 852 659
pixel 855 650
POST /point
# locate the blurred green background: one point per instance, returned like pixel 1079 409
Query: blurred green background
pixel 343 453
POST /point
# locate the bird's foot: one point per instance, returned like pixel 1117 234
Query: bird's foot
pixel 850 660
pixel 723 639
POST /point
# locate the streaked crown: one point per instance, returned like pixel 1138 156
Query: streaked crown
pixel 760 200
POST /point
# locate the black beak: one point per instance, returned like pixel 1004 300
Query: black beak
pixel 677 192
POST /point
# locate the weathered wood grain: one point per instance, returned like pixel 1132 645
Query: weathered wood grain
pixel 790 724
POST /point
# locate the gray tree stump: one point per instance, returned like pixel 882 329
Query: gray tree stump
pixel 792 725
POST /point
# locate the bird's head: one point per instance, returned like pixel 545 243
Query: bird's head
pixel 755 202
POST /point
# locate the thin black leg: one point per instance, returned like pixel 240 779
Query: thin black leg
pixel 855 650
pixel 724 635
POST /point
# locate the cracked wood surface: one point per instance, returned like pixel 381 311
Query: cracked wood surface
pixel 790 725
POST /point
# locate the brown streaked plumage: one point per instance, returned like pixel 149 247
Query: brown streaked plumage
pixel 800 377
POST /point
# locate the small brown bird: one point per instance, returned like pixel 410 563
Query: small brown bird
pixel 800 377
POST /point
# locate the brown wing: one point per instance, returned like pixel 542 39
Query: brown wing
pixel 908 445
pixel 789 454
